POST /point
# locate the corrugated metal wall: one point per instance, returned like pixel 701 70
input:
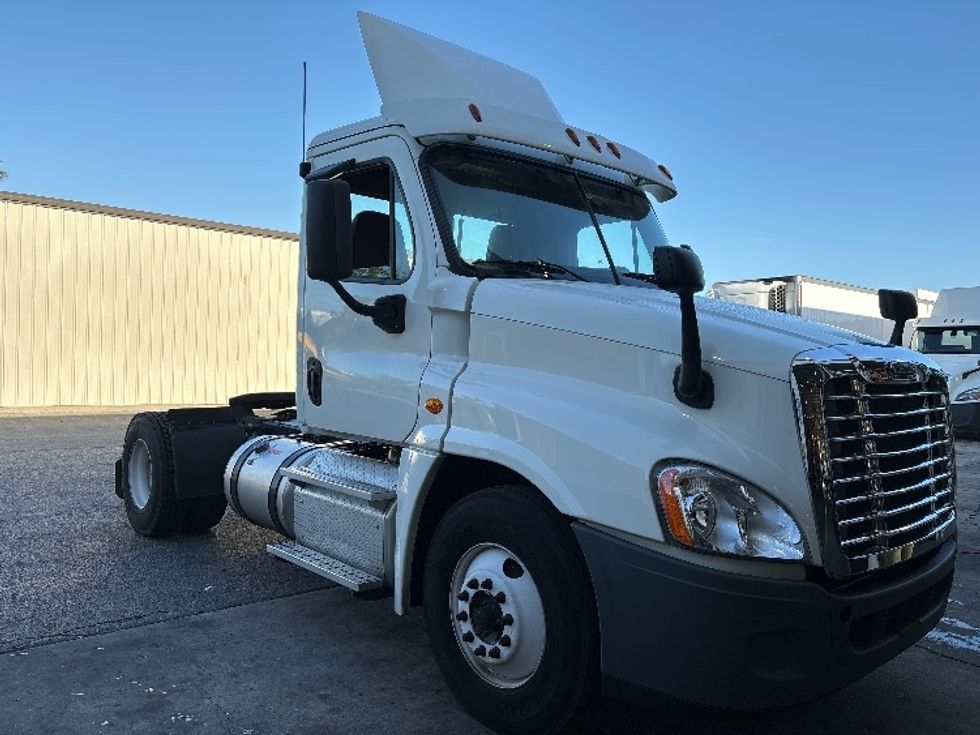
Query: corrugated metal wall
pixel 100 306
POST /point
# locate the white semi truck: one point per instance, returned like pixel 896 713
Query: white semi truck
pixel 513 412
pixel 951 336
pixel 850 307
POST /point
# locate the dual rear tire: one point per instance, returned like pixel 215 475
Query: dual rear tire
pixel 148 487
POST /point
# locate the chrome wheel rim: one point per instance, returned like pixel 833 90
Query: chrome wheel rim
pixel 497 615
pixel 139 474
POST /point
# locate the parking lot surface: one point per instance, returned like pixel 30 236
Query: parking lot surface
pixel 103 631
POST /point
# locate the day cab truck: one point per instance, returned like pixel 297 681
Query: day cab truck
pixel 951 337
pixel 512 411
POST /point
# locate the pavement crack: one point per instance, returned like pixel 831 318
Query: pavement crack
pixel 96 629
pixel 946 656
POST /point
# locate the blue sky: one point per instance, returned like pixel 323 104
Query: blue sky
pixel 835 139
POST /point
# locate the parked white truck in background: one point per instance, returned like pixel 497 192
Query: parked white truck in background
pixel 854 308
pixel 951 336
pixel 512 411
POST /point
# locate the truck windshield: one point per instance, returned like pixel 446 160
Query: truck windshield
pixel 948 340
pixel 512 216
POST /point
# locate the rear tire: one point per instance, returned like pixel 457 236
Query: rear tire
pixel 149 491
pixel 203 514
pixel 543 676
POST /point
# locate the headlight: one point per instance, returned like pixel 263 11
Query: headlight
pixel 708 510
pixel 968 395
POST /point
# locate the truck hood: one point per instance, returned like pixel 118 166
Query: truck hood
pixel 742 337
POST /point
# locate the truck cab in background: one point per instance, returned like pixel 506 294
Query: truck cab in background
pixel 951 337
pixel 512 411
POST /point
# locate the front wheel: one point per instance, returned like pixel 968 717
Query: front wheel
pixel 510 611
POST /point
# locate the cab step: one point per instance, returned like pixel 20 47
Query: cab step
pixel 326 566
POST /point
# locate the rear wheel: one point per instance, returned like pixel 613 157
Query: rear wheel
pixel 510 611
pixel 152 505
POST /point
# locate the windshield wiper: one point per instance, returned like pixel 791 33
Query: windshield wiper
pixel 538 266
pixel 648 277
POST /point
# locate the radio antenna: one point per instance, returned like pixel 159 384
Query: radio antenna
pixel 304 166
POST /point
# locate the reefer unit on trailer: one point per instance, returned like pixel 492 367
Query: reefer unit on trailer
pixel 840 304
pixel 514 412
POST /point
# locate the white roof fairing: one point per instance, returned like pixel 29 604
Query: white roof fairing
pixel 409 65
pixel 427 85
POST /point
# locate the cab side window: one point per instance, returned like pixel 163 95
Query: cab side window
pixel 384 248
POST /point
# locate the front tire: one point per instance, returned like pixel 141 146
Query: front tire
pixel 510 611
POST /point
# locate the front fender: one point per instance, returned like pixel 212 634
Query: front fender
pixel 586 420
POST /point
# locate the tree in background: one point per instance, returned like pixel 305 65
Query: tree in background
pixel 3 174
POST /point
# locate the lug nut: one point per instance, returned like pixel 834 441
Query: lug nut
pixel 494 652
pixel 468 636
pixel 487 584
pixel 462 616
pixel 507 619
pixel 463 596
pixel 501 598
pixel 473 584
pixel 505 641
pixel 480 651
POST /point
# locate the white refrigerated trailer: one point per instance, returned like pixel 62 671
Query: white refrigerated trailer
pixel 840 304
pixel 513 412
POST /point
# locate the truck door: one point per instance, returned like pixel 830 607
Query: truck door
pixel 355 378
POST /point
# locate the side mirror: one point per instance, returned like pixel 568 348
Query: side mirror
pixel 327 230
pixel 897 306
pixel 678 269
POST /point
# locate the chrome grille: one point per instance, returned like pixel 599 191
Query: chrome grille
pixel 879 453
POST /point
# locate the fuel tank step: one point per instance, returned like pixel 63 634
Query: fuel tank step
pixel 326 566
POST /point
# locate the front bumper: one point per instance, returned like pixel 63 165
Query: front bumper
pixel 966 417
pixel 733 640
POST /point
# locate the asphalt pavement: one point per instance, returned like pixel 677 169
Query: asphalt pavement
pixel 102 631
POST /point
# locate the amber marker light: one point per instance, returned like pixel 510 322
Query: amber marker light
pixel 572 136
pixel 475 112
pixel 670 499
pixel 594 143
pixel 614 149
pixel 666 172
pixel 433 405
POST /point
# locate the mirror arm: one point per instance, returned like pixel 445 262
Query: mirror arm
pixel 897 331
pixel 387 313
pixel 692 384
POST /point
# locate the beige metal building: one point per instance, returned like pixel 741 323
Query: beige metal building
pixel 102 306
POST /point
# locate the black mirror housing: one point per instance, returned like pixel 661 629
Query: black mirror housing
pixel 897 306
pixel 678 269
pixel 327 230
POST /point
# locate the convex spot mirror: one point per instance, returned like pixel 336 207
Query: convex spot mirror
pixel 327 230
pixel 678 269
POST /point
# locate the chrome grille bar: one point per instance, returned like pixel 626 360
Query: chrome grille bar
pixel 895 415
pixel 885 435
pixel 890 473
pixel 893 493
pixel 897 453
pixel 896 511
pixel 875 427
pixel 925 520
